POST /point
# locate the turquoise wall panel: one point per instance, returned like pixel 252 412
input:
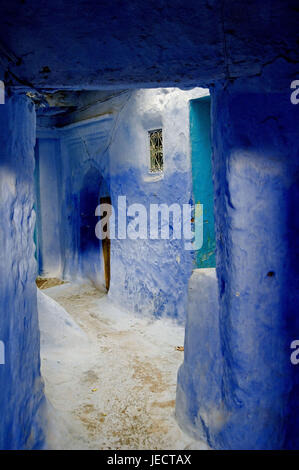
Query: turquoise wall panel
pixel 203 192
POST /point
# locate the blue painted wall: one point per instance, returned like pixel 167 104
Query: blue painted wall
pixel 22 399
pixel 77 166
pixel 248 397
pixel 203 191
pixel 145 43
pixel 85 178
pixel 48 204
pixel 199 391
pixel 151 276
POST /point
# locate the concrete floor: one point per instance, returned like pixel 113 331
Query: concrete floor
pixel 110 376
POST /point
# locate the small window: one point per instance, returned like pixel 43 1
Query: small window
pixel 156 150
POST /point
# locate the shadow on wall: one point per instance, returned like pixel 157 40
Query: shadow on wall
pixel 92 263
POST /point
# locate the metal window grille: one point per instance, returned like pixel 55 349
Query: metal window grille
pixel 156 150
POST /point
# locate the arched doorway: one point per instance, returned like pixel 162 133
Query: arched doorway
pixel 94 191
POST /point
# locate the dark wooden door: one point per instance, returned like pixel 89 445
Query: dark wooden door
pixel 106 247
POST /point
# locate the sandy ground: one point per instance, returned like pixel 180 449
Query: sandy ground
pixel 45 283
pixel 110 376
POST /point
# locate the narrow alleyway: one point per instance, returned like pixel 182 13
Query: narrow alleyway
pixel 110 377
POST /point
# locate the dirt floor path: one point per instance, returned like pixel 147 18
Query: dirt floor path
pixel 110 376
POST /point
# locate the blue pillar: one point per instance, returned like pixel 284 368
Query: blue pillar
pixel 256 163
pixel 255 171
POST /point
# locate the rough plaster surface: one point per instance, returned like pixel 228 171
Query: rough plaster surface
pixel 198 403
pixel 157 43
pixel 151 285
pixel 20 381
pixel 256 188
